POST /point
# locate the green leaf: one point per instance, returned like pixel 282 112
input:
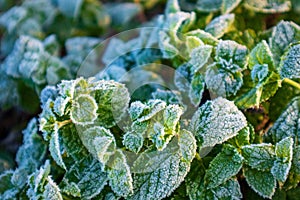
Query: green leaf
pixel 220 25
pixel 294 174
pixel 290 62
pixel 84 110
pixel 7 189
pixel 283 35
pixel 133 142
pixel 197 89
pixel 187 145
pixel 204 36
pixel 122 13
pixel 70 9
pixel 99 141
pixel 260 55
pixel 222 82
pixel 229 190
pixel 263 86
pixel 259 156
pixel 33 151
pixel 13 17
pixel 208 5
pixel 224 166
pixel 119 175
pixel 154 107
pixel 243 137
pixel 158 174
pixel 199 57
pixel 52 191
pixel 268 6
pixel 84 179
pixel 284 155
pixel 287 124
pixel 55 149
pixel 37 181
pixel 112 99
pixel 229 5
pixel 217 121
pixel 263 183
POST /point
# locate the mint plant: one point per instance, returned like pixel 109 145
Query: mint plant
pixel 202 105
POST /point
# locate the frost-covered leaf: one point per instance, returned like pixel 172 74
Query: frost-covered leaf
pixel 217 121
pixel 163 177
pixel 284 33
pixel 231 55
pixel 261 54
pixel 55 149
pixel 133 141
pixel 37 181
pixel 70 9
pixel 220 25
pixel 52 191
pixel 60 105
pixel 99 141
pixel 112 99
pixel 7 189
pixel 229 5
pixel 31 154
pixel 154 107
pixel 13 17
pixel 224 166
pixel 284 155
pixel 199 57
pixel 204 36
pixel 119 175
pixel 222 82
pixel 224 77
pixel 263 86
pixel 287 124
pixel 84 110
pixel 170 97
pixel 259 156
pixel 208 5
pixel 268 6
pixel 243 138
pixel 294 174
pixel 197 89
pixel 290 62
pixel 122 13
pixel 182 77
pixel 229 190
pixel 187 145
pixel 84 179
pixel 263 183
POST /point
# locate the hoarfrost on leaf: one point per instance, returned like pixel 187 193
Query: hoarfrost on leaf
pixel 220 25
pixel 290 62
pixel 217 121
pixel 224 166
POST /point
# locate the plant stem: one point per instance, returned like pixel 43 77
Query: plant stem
pixel 292 83
pixel 61 124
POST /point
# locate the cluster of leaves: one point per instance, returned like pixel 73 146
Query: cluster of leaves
pixel 100 138
pixel 45 41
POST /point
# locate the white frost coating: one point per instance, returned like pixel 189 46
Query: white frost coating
pixel 287 125
pixel 119 175
pixel 259 156
pixel 52 191
pixel 216 121
pixel 284 154
pixel 155 107
pixel 220 25
pixel 100 142
pixel 263 183
pixel 84 110
pixel 60 105
pixel 55 150
pixel 290 62
pixel 161 182
pixel 136 109
pixel 133 141
pixel 187 145
pixel 199 57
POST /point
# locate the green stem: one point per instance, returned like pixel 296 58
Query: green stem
pixel 63 123
pixel 292 83
pixel 198 157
